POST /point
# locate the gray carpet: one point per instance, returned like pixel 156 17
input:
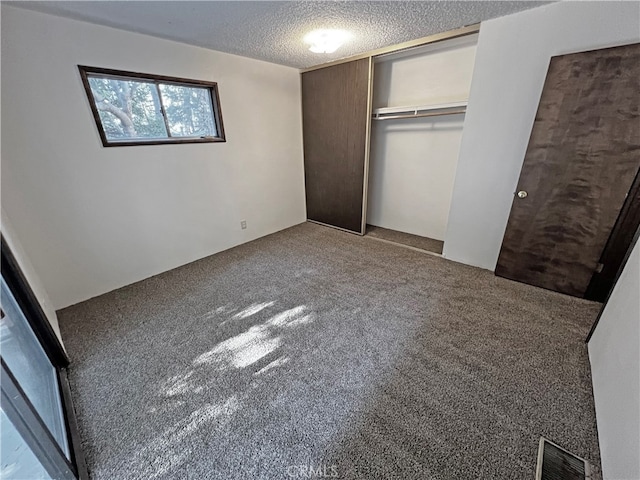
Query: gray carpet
pixel 317 349
pixel 416 241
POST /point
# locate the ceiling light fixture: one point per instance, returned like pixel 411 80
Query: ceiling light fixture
pixel 326 40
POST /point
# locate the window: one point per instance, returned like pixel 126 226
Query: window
pixel 38 430
pixel 139 109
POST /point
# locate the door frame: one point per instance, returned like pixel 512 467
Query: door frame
pixel 616 249
pixel 632 245
pixel 35 316
pixel 367 148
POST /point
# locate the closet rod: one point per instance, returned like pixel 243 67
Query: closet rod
pixel 378 116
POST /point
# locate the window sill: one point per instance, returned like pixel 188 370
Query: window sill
pixel 161 141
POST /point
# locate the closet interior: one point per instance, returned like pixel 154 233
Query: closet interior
pixel 418 106
pixel 382 136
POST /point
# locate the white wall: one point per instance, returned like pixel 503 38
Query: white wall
pixel 436 73
pixel 9 235
pixel 511 64
pixel 413 162
pixel 93 219
pixel 614 351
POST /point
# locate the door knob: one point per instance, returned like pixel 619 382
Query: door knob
pixel 522 194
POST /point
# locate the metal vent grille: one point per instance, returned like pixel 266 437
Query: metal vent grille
pixel 555 463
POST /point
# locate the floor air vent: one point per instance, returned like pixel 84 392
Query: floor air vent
pixel 555 463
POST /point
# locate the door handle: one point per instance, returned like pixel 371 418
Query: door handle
pixel 522 194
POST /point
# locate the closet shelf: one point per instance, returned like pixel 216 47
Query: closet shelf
pixel 388 113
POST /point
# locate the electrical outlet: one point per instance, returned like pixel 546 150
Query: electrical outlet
pixel 243 224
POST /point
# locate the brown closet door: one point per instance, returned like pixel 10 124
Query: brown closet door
pixel 583 155
pixel 335 113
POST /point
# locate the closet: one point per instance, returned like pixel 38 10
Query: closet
pixel 419 101
pixel 382 134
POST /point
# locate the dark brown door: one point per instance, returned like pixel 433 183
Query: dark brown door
pixel 335 112
pixel 583 155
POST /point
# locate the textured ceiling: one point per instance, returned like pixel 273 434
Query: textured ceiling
pixel 273 31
